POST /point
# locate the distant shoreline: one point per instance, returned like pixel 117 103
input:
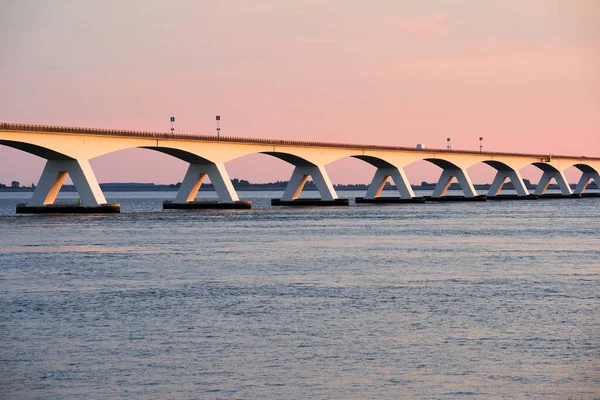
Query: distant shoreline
pixel 252 187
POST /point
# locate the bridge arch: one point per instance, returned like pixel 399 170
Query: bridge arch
pixel 290 158
pixel 585 168
pixel 187 156
pixel 303 168
pixel 545 167
pixel 36 150
pixel 498 165
pixel 375 161
pixel 588 174
pixel 552 172
pixel 392 166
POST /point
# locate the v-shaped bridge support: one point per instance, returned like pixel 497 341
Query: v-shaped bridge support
pixel 299 178
pixel 196 174
pixel 54 175
pixel 584 181
pixel 380 179
pixel 500 179
pixel 446 179
pixel 561 181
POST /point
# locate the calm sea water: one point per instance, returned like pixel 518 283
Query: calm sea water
pixel 430 301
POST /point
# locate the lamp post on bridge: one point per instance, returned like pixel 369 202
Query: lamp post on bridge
pixel 218 129
pixel 481 144
pixel 172 125
pixel 449 144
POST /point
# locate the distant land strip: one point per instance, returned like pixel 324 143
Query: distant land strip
pixel 244 185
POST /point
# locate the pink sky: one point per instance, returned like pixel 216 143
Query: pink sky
pixel 522 74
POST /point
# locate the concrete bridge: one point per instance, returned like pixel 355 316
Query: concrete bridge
pixel 69 149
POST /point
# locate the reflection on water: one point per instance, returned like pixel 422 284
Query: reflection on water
pixel 480 300
pixel 32 248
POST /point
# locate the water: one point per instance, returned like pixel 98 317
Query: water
pixel 427 301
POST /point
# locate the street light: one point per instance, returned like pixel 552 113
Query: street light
pixel 172 125
pixel 481 144
pixel 449 144
pixel 218 129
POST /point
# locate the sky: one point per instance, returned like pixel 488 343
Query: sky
pixel 523 74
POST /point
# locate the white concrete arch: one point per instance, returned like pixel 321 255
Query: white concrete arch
pixel 303 169
pixel 390 164
pixel 289 158
pixel 589 168
pixel 586 167
pixel 51 151
pixel 450 170
pixel 199 168
pixel 58 166
pixel 588 174
pixel 504 172
pixel 36 150
pixel 180 154
pixel 552 171
pixel 76 145
pixel 386 170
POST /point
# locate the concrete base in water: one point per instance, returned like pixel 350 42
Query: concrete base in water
pixel 389 200
pixel 68 209
pixel 559 196
pixel 482 197
pixel 310 202
pixel 207 205
pixel 513 197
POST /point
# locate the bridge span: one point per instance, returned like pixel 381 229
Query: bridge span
pixel 69 149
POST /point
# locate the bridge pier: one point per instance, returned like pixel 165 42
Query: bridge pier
pixel 586 178
pixel 463 180
pixel 85 182
pixel 298 180
pixel 560 179
pixel 500 179
pixel 380 178
pixel 378 183
pixel 192 181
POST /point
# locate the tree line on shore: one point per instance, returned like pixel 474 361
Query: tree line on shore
pixel 244 185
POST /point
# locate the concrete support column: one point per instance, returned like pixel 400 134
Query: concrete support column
pixel 299 178
pixel 463 180
pixel 547 176
pixel 380 178
pixel 500 179
pixel 196 174
pixel 585 180
pixel 53 176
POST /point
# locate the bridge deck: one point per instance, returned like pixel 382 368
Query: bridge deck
pixel 4 126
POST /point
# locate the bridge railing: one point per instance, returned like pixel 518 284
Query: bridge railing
pixel 187 136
